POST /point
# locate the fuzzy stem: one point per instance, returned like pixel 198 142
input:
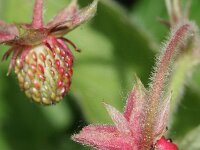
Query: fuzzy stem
pixel 38 14
pixel 164 65
pixel 176 40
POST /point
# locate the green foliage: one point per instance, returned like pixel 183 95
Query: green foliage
pixel 114 48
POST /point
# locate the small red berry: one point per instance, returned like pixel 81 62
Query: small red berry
pixel 165 144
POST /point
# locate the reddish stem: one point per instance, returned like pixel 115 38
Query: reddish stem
pixel 38 14
pixel 162 69
pixel 155 92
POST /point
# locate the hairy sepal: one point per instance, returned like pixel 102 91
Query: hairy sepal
pixel 135 99
pixel 79 18
pixel 136 102
pixel 119 120
pixel 162 118
pixel 7 32
pixel 65 14
pixel 103 137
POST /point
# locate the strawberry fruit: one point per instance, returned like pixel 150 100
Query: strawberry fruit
pixel 40 54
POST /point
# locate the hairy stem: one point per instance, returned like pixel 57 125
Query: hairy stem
pixel 38 14
pixel 181 35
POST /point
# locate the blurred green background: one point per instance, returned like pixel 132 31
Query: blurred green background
pixel 120 41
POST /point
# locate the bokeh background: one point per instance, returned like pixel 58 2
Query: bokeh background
pixel 120 41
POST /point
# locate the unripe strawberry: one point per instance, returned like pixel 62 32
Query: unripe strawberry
pixel 46 73
pixel 41 57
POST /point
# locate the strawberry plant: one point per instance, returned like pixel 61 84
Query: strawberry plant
pixel 41 57
pixel 118 43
